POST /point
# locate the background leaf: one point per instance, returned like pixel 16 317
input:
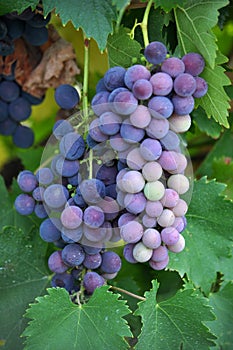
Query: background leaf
pixel 57 323
pixel 208 236
pixel 223 172
pixel 16 5
pixel 174 323
pixel 168 5
pixel 94 17
pixel 23 275
pixel 222 303
pixel 194 22
pixel 205 124
pixel 122 50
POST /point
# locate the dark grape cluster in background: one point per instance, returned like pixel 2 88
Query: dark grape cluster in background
pixel 15 104
pixel 124 181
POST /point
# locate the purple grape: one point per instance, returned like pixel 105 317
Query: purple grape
pixel 173 66
pixel 179 223
pixel 8 127
pixel 170 198
pixel 114 78
pixel 24 204
pixel 142 89
pixel 162 84
pixel 66 168
pixel 78 199
pixel 160 254
pixel 159 265
pixel 63 280
pixel 55 262
pixel 130 133
pixel 181 208
pixel 135 73
pixel 96 235
pixel 72 146
pixel 27 181
pixel 109 123
pixel 56 195
pixel 71 217
pixel 92 261
pixel 128 253
pixel 135 203
pixel 170 141
pixel 140 117
pixel 151 238
pixel 91 250
pixel 160 107
pixel 154 208
pixel 148 221
pixel 131 232
pixel 184 85
pixel 201 87
pixel 66 96
pixel 44 176
pixel 95 132
pixel 93 216
pixel 73 254
pixel 38 194
pixel 107 174
pixel 19 109
pixel 170 235
pixel 194 63
pixel 110 208
pixel 155 52
pixel 157 128
pixel 92 190
pixel 91 281
pixel 74 235
pixel 179 246
pixel 152 171
pixel 125 103
pixel 172 161
pixel 134 159
pixel 50 230
pixel 100 86
pixel 111 262
pixel 150 149
pixel 132 181
pixel 99 103
pixel 183 105
pixel 61 128
pixel 141 253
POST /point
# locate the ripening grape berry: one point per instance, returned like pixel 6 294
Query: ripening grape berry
pixel 155 52
pixel 91 281
pixel 24 204
pixel 154 190
pixel 140 117
pixel 142 89
pixel 151 238
pixel 201 87
pixel 135 202
pixel 184 84
pixel 194 63
pixel 55 262
pixel 135 73
pixel 73 254
pixel 178 246
pixel 66 96
pixel 179 123
pixel 71 217
pixel 50 230
pixel 166 218
pixel 111 262
pixel 152 171
pixel 133 181
pixel 162 83
pixel 141 253
pixel 131 232
pixel 27 181
pixel 160 107
pixel 159 265
pixel 173 66
pixel 114 78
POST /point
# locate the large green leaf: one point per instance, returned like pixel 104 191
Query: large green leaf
pixel 94 17
pixel 205 124
pixel 216 101
pixel 24 275
pixel 194 23
pixel 222 303
pixel 122 50
pixel 208 236
pixel 168 5
pixel 223 172
pixel 59 324
pixel 16 5
pixel 176 323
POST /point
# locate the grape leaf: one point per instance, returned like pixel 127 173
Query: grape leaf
pixel 222 303
pixel 168 5
pixel 94 17
pixel 205 124
pixel 175 323
pixel 223 171
pixel 120 4
pixel 16 5
pixel 30 160
pixel 194 22
pixel 122 50
pixel 208 236
pixel 216 101
pixel 23 275
pixel 223 147
pixel 98 324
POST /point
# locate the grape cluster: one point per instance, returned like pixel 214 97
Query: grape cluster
pixel 15 104
pixel 141 111
pixel 125 180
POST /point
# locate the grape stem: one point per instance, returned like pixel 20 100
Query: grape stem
pixel 144 23
pixel 128 293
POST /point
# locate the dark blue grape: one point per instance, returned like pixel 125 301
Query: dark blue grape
pixel 55 196
pixel 114 93
pixel 73 254
pixel 23 136
pixel 38 194
pixel 90 141
pixel 125 103
pixel 72 146
pixel 15 28
pixel 3 29
pixel 111 191
pixel 24 204
pixel 61 128
pixel 26 15
pixel 40 211
pixel 33 100
pixel 92 261
pixel 6 46
pixel 183 105
pixel 19 109
pixel 66 96
pixel 67 168
pixel 35 36
pixel 39 21
pixel 91 250
pixel 130 133
pixel 75 179
pixel 160 107
pixel 7 127
pixel 50 230
pixel 44 176
pixel 72 234
pixel 100 86
pixel 78 198
pixel 93 216
pixel 3 111
pixel 9 90
pixel 92 190
pixel 99 103
pixel 107 174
